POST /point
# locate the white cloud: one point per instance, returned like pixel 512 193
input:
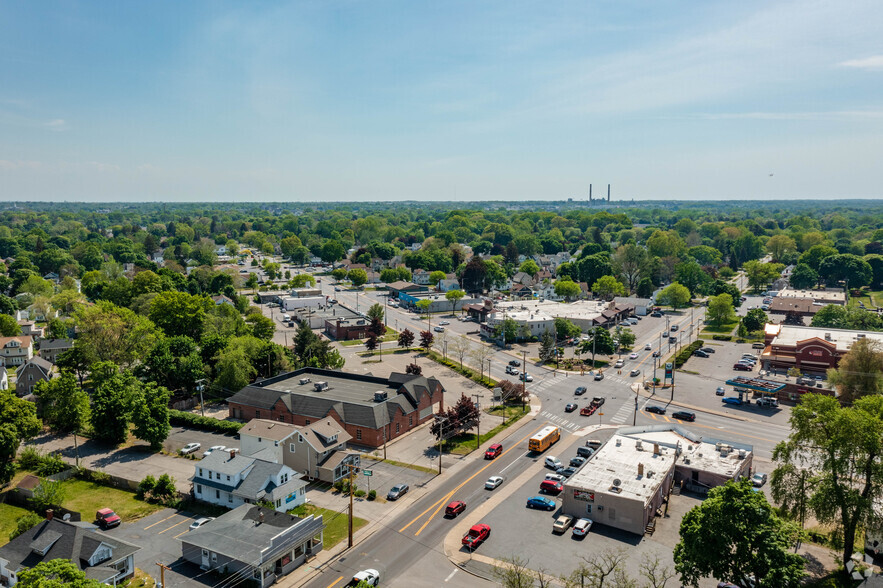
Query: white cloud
pixel 873 63
pixel 57 124
pixel 7 165
pixel 830 115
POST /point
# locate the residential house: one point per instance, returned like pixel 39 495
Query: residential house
pixel 396 289
pixel 420 277
pixel 370 409
pixel 317 449
pixel 447 285
pixel 34 371
pixel 520 292
pixel 219 299
pixel 50 349
pixel 15 350
pixel 231 479
pixel 255 543
pixel 100 555
pixel 52 277
pixel 30 328
pixel 523 278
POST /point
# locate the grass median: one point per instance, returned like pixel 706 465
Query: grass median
pixel 466 443
pixel 336 526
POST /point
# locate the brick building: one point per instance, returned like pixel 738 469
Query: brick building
pixel 347 329
pixel 371 409
pixel 810 349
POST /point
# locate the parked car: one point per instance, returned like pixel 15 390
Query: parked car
pixel 720 391
pixel 655 409
pixel 455 508
pixel 562 523
pixel 635 372
pixel 570 407
pixel 554 477
pixel 397 491
pixel 106 518
pixel 493 451
pixel 208 451
pixel 190 448
pixel 767 402
pixel 581 527
pixel 577 461
pixel 371 577
pixel 586 452
pixel 580 390
pixel 684 415
pixel 493 482
pixel 656 314
pixel 758 479
pixel 633 355
pixel 742 367
pixel 567 472
pixel 514 363
pixel 477 534
pixel 551 487
pixel 438 329
pixel 541 502
pixel 200 522
pixel 552 462
pixel 735 400
pixel 700 353
pixel 708 349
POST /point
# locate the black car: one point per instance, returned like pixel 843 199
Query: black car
pixel 656 314
pixel 684 415
pixel 655 409
pixel 570 407
pixel 566 472
pixel 656 354
pixel 708 349
pixel 577 461
pixel 580 391
pixel 515 363
pixel 700 353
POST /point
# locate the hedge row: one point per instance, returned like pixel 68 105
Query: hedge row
pixel 188 419
pixel 685 353
pixel 722 337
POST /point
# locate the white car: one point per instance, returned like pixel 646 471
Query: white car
pixel 493 482
pixel 213 448
pixel 581 527
pixel 555 477
pixel 647 347
pixel 190 448
pixel 371 577
pixel 633 355
pixel 200 522
pixel 444 323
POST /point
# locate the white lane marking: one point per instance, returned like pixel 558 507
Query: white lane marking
pixel 451 575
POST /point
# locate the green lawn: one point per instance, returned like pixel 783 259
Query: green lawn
pixel 8 515
pixel 872 298
pixel 466 443
pixel 725 328
pixel 336 528
pixel 87 497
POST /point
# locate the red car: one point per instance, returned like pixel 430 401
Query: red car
pixel 742 367
pixel 476 535
pixel 493 451
pixel 455 508
pixel 106 518
pixel 551 487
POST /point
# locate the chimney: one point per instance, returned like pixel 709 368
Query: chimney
pixel 656 449
pixel 50 514
pixel 640 470
pixel 608 192
pixel 232 453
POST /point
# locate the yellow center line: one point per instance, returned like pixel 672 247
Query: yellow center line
pixel 335 582
pixel 446 496
pixel 162 521
pixel 173 526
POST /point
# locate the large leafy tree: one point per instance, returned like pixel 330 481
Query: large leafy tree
pixel 175 363
pixel 599 341
pixel 755 320
pixel 630 263
pixel 55 573
pixel 180 313
pixel 860 371
pixel 475 275
pixel 63 404
pixel 9 326
pixel 106 332
pixel 607 287
pixel 113 396
pixel 852 269
pixel 150 415
pixel 814 256
pixel 18 423
pixel 760 274
pixel 406 338
pixel 735 535
pixel 840 449
pixel 674 295
pixel 567 288
pixel 803 276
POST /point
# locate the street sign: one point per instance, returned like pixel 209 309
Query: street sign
pixel 368 473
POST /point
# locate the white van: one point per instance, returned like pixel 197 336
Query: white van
pixel 553 462
pixel 286 318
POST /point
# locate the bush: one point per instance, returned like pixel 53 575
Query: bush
pixel 50 464
pixel 94 476
pixel 29 458
pixel 25 523
pixel 187 419
pixel 722 337
pixel 165 487
pixel 145 487
pixel 359 493
pixel 372 494
pixel 685 353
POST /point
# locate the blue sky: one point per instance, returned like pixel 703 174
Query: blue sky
pixel 412 100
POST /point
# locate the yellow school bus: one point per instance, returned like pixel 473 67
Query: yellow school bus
pixel 542 440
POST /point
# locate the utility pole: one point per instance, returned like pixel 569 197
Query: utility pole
pixel 350 517
pixel 635 417
pixel 441 437
pixel 478 421
pixel 200 386
pixel 162 573
pixel 524 381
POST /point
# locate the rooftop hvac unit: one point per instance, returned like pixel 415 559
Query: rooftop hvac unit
pixel 742 454
pixel 617 482
pixel 380 396
pixel 320 386
pixel 304 381
pixel 639 446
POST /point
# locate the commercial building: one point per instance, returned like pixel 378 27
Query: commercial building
pixel 315 317
pixel 538 316
pixel 396 289
pixel 437 301
pixel 343 329
pixel 809 349
pixel 827 296
pixel 626 482
pixel 797 307
pixel 253 543
pixel 291 302
pixel 371 410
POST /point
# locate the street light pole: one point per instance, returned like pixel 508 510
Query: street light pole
pixel 478 421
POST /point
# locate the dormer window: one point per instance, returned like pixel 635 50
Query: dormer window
pixel 103 553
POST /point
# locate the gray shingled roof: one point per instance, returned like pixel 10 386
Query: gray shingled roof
pixel 56 344
pixel 255 484
pixel 221 462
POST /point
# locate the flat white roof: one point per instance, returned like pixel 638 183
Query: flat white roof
pixel 581 309
pixel 837 295
pixel 717 457
pixel 843 339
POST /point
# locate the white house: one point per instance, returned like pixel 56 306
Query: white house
pixel 231 479
pixel 4 379
pixel 15 350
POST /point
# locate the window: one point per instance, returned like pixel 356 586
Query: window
pixel 228 478
pixel 410 420
pixel 281 418
pixel 257 415
pixel 358 433
pixel 298 551
pixel 307 421
pixel 589 509
pixel 291 447
pixel 278 503
pixel 398 428
pixel 200 472
pixel 218 494
pixel 199 488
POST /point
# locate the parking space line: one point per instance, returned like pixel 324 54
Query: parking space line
pixel 162 521
pixel 173 526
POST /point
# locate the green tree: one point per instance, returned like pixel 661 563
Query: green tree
pixel 645 288
pixel 599 341
pixel 547 346
pixel 25 523
pixel 180 313
pixel 832 316
pixel 839 448
pixel 436 277
pixel 454 296
pixel 506 330
pixel 338 274
pixel 755 320
pixel 852 269
pixel 860 371
pixel 720 309
pixel 781 246
pixel 106 332
pixel 375 312
pixel 564 329
pixel 567 288
pixel 262 326
pixel 803 276
pixel 358 277
pixel 626 338
pixel 630 262
pixel 55 573
pixel 332 251
pixel 302 281
pixel 289 246
pixel 63 404
pixel 9 326
pixel 814 255
pixel 690 274
pixel 529 267
pixel 48 494
pixel 234 369
pixel 734 535
pixel 760 274
pixel 18 423
pixel 674 295
pixel 423 305
pixel 607 287
pixel 150 415
pixel 112 399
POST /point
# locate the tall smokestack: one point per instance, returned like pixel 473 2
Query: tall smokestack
pixel 608 192
pixel 590 192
